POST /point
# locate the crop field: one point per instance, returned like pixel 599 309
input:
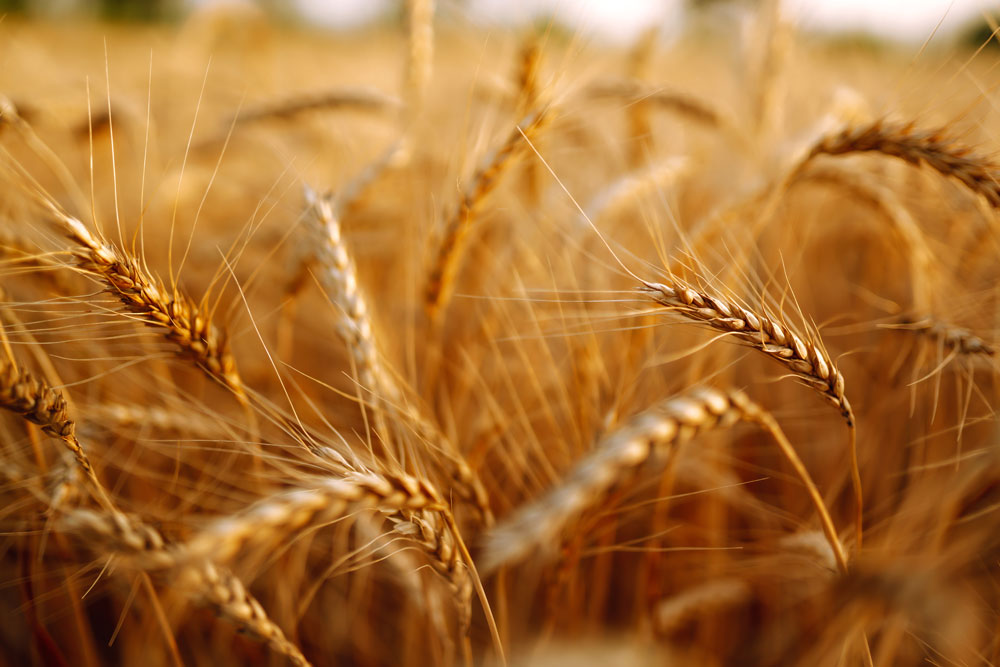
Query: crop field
pixel 431 343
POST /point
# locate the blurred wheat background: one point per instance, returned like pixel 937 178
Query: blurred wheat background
pixel 436 342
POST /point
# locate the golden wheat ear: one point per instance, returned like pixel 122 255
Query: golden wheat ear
pixel 442 274
pixel 35 401
pixel 141 294
pixel 935 148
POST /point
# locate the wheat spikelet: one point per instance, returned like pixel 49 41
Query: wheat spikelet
pixel 440 280
pixel 202 581
pixel 141 294
pixel 916 146
pixel 652 434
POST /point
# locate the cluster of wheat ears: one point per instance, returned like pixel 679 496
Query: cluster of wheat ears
pixel 559 353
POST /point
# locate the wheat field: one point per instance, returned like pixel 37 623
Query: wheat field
pixel 435 344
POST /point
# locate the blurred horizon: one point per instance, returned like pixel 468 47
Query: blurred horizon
pixel 609 20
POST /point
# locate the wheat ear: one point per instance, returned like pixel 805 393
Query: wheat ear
pixel 652 434
pixel 289 108
pixel 204 582
pixel 916 146
pixel 338 276
pixel 141 294
pixel 806 358
pixel 327 500
pixel 440 280
pixel 411 501
pixel 35 401
pixel 960 340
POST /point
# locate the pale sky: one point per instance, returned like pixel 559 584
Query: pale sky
pixel 622 20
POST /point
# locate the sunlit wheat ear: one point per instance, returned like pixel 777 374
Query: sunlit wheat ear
pixel 285 514
pixel 436 539
pixel 339 278
pixel 144 549
pixel 338 275
pixel 650 436
pixel 806 358
pixel 441 276
pixel 35 401
pixel 931 147
pixel 141 294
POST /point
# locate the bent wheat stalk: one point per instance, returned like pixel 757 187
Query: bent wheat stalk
pixel 650 435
